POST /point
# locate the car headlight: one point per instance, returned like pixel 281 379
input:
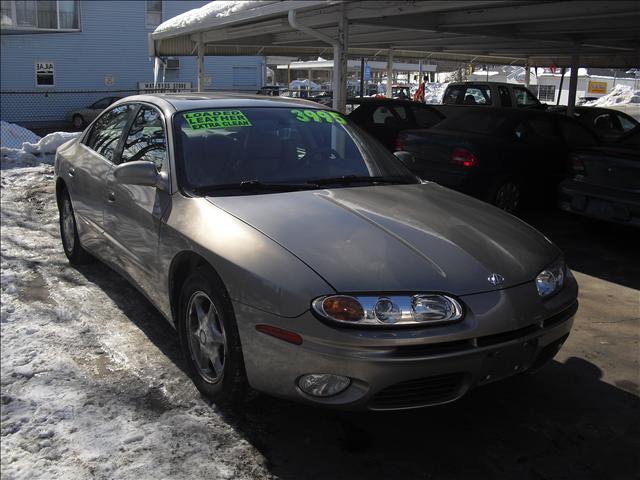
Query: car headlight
pixel 389 310
pixel 551 279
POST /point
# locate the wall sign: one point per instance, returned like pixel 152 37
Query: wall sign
pixel 150 87
pixel 45 74
pixel 597 87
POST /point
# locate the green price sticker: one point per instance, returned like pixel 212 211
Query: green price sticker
pixel 217 119
pixel 318 116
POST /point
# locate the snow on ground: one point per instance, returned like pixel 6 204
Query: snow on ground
pixel 620 95
pixel 91 376
pixel 13 136
pixel 16 152
pixel 217 9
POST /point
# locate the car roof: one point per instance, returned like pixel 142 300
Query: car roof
pixel 381 100
pixel 195 101
pixel 482 82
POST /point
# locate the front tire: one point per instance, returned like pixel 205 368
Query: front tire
pixel 209 339
pixel 69 232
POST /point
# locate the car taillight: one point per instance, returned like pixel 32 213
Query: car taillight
pixel 399 143
pixel 576 165
pixel 464 158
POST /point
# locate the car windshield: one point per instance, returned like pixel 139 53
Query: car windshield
pixel 286 148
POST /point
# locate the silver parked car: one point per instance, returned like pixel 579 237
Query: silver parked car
pixel 83 116
pixel 295 255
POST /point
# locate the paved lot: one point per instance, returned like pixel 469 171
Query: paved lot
pixel 93 384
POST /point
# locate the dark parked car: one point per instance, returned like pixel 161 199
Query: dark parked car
pixel 499 155
pixel 386 118
pixel 608 124
pixel 605 184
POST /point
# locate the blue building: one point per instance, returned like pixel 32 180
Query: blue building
pixel 63 55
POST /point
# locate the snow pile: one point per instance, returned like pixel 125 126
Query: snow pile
pixel 216 9
pixel 620 95
pixel 16 153
pixel 92 380
pixel 13 136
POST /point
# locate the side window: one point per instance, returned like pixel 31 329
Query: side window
pixel 606 123
pixel 626 124
pixel 380 114
pixel 536 130
pixel 477 95
pixel 524 97
pixel 425 117
pixel 146 138
pixel 575 135
pixel 452 95
pixel 401 112
pixel 106 132
pixel 505 97
pixel 101 104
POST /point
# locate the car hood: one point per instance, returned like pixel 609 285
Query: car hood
pixel 398 238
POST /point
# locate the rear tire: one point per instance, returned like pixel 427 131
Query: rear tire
pixel 210 340
pixel 78 122
pixel 69 231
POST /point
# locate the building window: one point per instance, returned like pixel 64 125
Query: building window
pixel 154 13
pixel 45 74
pixel 44 15
pixel 546 93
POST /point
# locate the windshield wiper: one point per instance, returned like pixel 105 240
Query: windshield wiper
pixel 349 179
pixel 253 186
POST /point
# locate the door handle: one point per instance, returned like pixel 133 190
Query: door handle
pixel 71 172
pixel 111 196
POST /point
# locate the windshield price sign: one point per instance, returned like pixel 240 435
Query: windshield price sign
pixel 217 119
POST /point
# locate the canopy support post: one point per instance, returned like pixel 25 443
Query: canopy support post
pixel 573 81
pixel 389 92
pixel 527 74
pixel 200 64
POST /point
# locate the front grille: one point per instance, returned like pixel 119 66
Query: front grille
pixel 461 346
pixel 420 392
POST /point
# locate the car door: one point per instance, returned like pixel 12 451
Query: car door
pixel 132 213
pixel 86 177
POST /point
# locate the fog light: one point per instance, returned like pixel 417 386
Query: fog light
pixel 323 384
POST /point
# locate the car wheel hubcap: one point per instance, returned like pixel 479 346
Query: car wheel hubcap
pixel 68 225
pixel 508 197
pixel 207 340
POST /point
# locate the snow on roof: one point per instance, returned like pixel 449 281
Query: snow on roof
pixel 217 9
pixel 620 95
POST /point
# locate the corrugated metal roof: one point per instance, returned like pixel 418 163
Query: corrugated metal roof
pixel 506 32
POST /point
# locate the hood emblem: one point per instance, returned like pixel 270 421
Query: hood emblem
pixel 495 279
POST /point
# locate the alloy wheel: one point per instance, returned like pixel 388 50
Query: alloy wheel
pixel 206 337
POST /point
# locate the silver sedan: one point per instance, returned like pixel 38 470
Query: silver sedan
pixel 296 256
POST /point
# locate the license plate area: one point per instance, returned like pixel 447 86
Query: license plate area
pixel 504 362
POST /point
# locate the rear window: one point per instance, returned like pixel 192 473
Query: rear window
pixel 484 122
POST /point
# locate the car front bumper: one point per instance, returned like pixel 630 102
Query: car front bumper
pixel 504 332
pixel 599 202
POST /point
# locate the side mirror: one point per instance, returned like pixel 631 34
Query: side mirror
pixel 140 173
pixel 405 157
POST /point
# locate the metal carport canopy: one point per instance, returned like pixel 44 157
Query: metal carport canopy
pixel 536 33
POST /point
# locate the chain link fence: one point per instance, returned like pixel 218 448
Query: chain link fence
pixel 43 112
